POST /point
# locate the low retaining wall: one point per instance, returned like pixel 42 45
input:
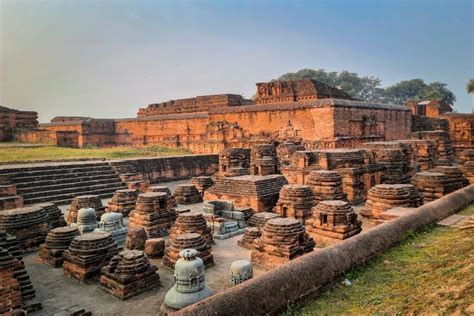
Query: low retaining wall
pixel 166 168
pixel 303 277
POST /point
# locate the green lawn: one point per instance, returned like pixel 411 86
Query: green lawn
pixel 431 271
pixel 468 210
pixel 20 152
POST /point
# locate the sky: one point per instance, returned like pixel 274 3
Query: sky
pixel 107 58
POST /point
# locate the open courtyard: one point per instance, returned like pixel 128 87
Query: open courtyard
pixel 236 157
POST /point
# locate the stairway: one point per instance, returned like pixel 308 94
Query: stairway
pixel 60 182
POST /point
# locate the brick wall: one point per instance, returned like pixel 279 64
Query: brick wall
pixel 424 123
pixel 461 131
pixel 13 121
pixel 167 168
pixel 318 123
pixel 193 105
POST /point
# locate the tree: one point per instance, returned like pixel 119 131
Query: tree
pixel 368 88
pixel 316 74
pixel 417 89
pixel 438 91
pixel 405 90
pixel 470 86
pixel 363 88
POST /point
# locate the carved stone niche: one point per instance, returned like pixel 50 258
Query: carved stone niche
pixel 224 131
pixel 275 90
pixel 263 160
pixel 366 126
pixel 234 162
pixel 289 132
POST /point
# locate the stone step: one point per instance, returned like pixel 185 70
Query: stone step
pixel 57 171
pixel 26 179
pixel 64 184
pixel 60 182
pixel 78 189
pixel 62 199
pixel 81 178
pixel 7 169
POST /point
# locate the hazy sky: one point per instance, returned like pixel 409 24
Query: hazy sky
pixel 108 58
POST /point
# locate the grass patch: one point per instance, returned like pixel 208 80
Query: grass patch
pixel 20 152
pixel 468 210
pixel 431 271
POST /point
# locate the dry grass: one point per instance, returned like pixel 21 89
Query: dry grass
pixel 20 152
pixel 430 272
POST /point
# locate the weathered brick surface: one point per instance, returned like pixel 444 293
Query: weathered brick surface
pixel 257 192
pixel 306 111
pixel 358 168
pixel 155 247
pixel 154 212
pixel 156 170
pixel 424 123
pixel 461 131
pixel 87 254
pixel 193 105
pixel 14 121
pixel 429 108
pixel 10 294
pixel 296 90
pixel 29 225
pixel 128 274
pixel 282 240
pixel 334 219
pixel 11 245
pixel 444 145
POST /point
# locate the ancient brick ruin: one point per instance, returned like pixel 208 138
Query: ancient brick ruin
pixel 129 273
pixel 304 162
pixel 56 217
pixel 282 239
pixel 202 183
pixel 11 294
pixel 14 121
pixel 263 160
pixel 85 201
pixel 358 168
pixel 13 274
pixel 154 212
pixel 224 219
pixel 57 241
pixel 87 254
pixel 136 238
pixel 29 225
pixel 187 194
pixel 295 201
pixel 383 197
pixel 431 185
pixel 307 111
pixel 123 201
pixel 191 222
pixel 335 219
pixel 8 195
pixel 429 108
pixel 326 185
pixel 461 131
pixel 257 192
pixel 188 241
pixel 254 231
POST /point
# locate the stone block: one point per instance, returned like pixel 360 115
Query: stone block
pixel 155 247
